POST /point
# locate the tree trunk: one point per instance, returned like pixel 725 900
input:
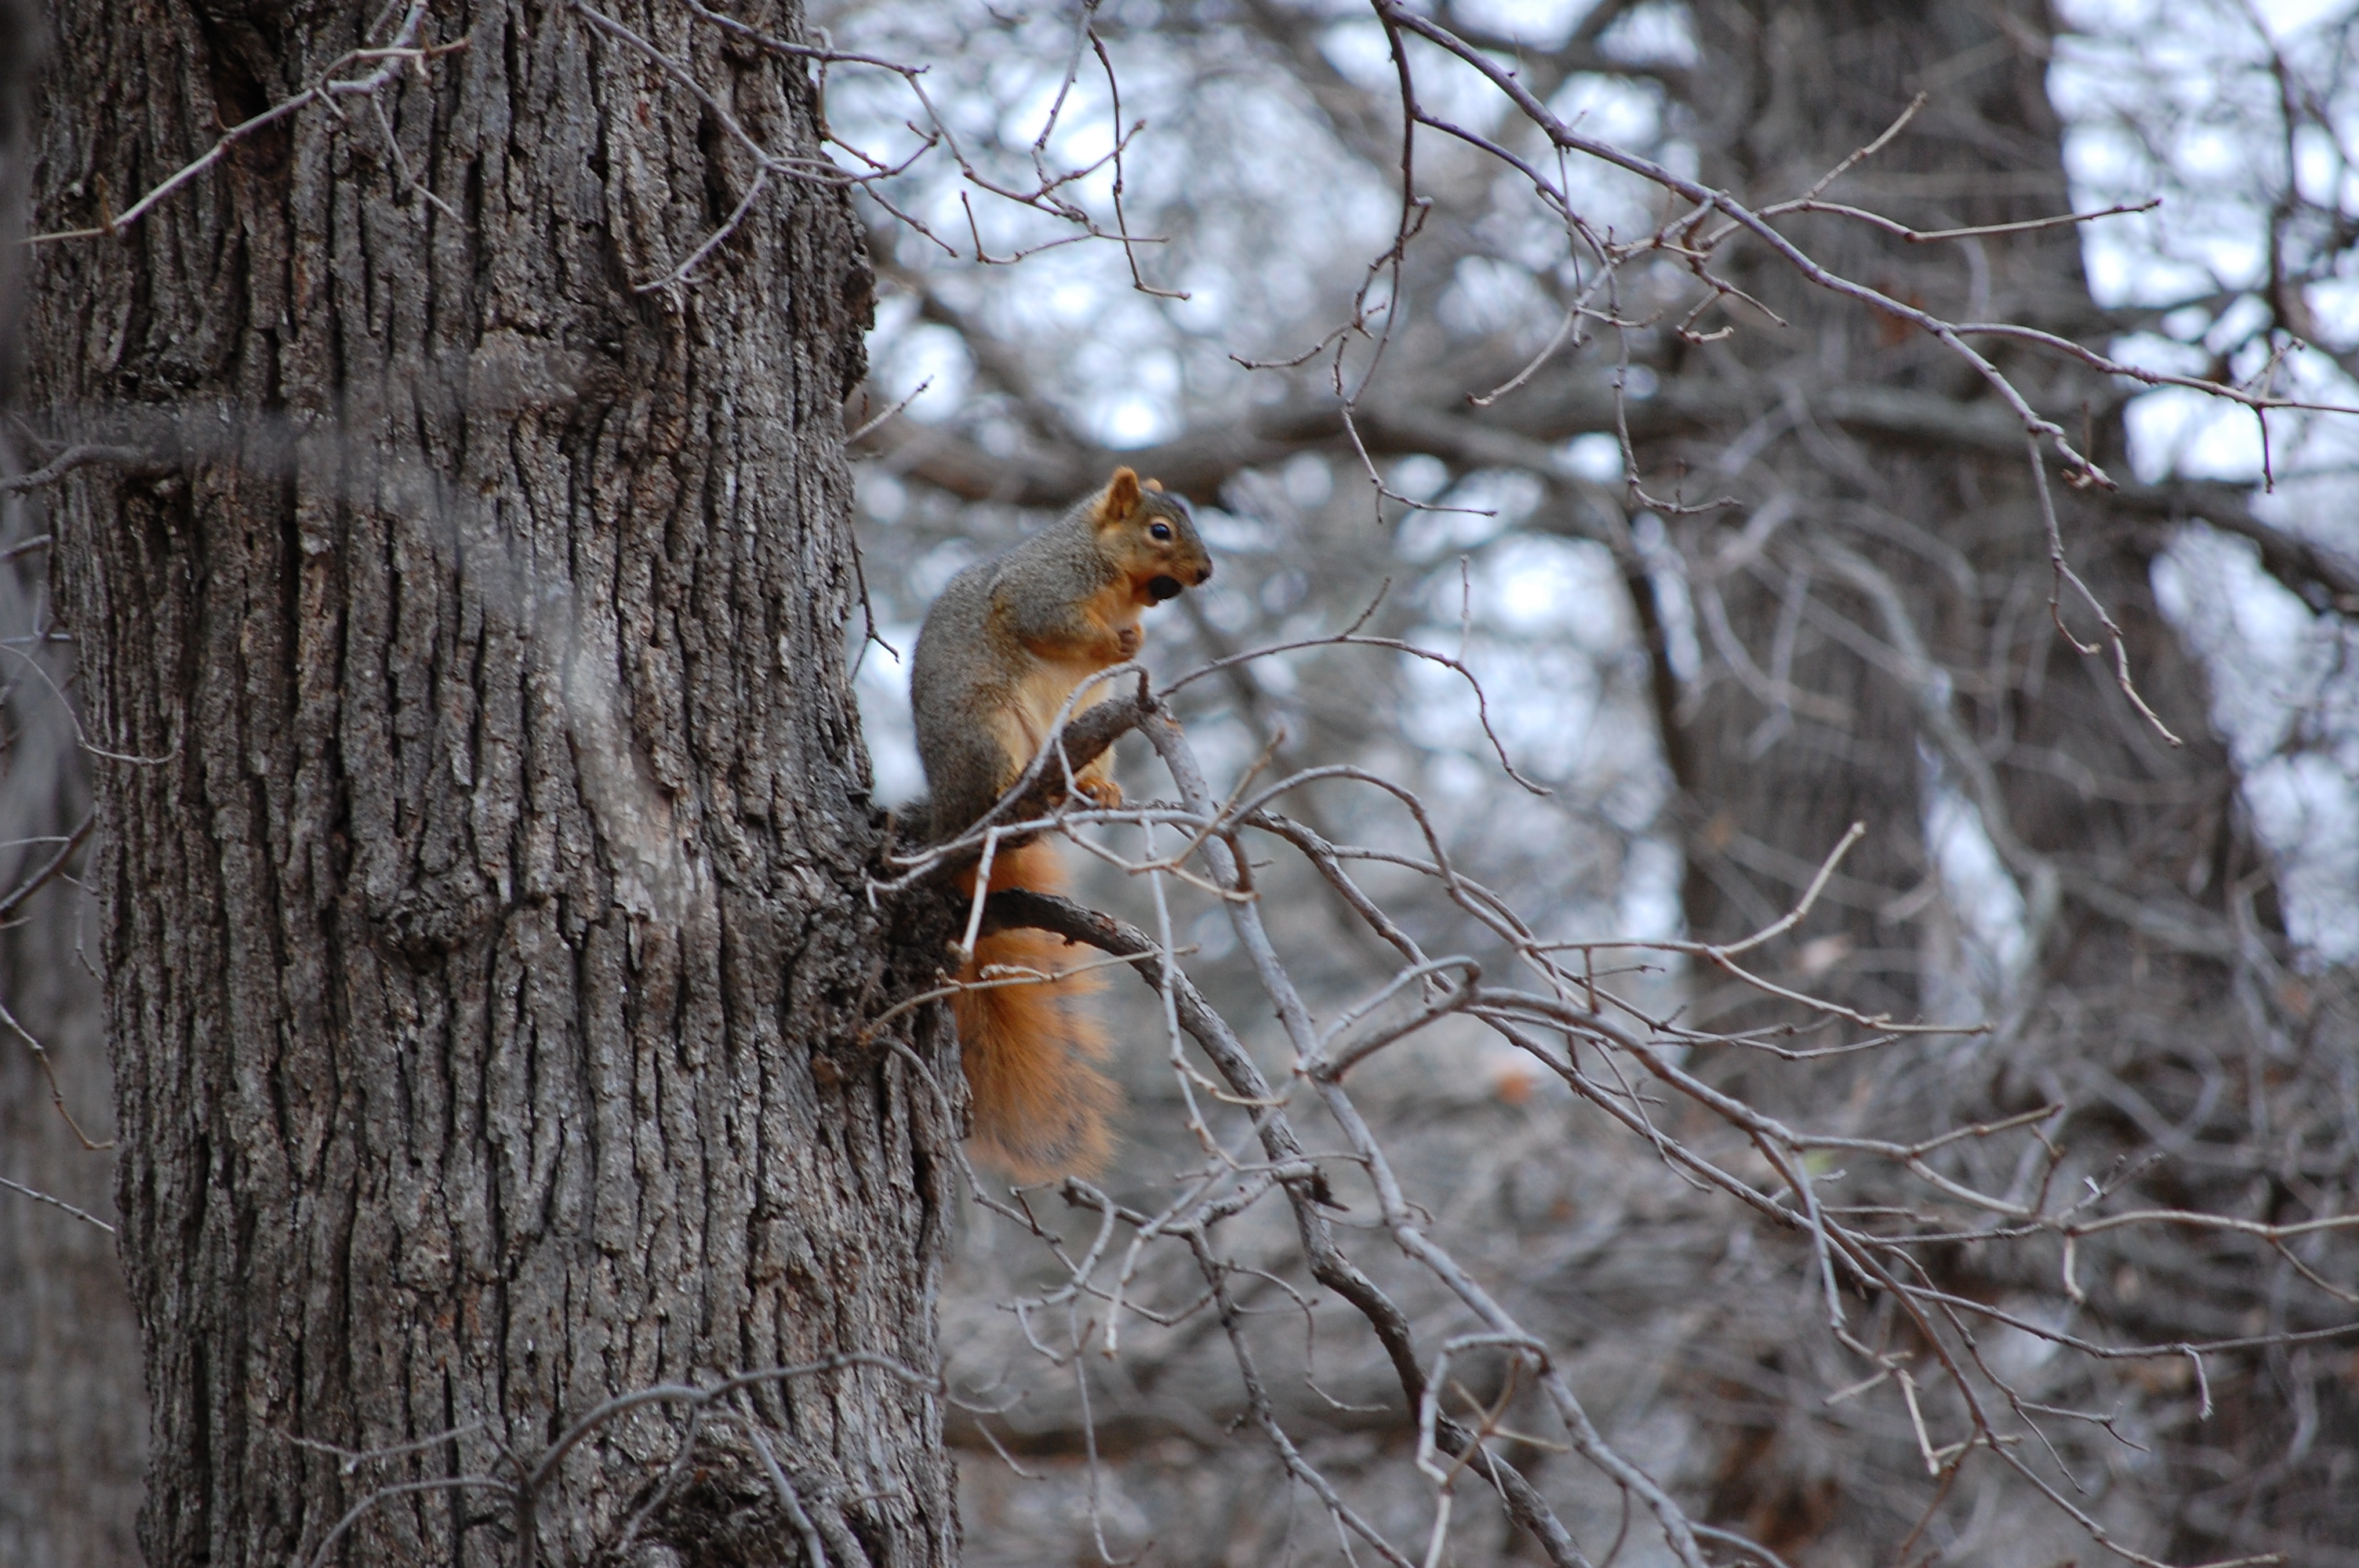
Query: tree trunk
pixel 73 1438
pixel 485 818
pixel 2148 917
pixel 1948 519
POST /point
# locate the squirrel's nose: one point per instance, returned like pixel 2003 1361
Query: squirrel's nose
pixel 1204 574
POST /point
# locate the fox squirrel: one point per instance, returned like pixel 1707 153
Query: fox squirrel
pixel 1008 641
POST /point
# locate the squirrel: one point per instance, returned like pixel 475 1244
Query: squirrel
pixel 1008 641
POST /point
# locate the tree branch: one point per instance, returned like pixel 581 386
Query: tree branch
pixel 2322 576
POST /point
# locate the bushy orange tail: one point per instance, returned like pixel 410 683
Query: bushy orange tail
pixel 1030 1046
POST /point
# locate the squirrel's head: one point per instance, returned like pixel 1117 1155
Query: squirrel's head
pixel 1153 536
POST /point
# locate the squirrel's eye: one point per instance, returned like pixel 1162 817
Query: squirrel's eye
pixel 1161 530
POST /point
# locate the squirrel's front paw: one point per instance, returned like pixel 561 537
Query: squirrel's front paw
pixel 1128 639
pixel 1104 793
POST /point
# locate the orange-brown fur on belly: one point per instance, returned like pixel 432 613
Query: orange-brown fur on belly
pixel 1061 668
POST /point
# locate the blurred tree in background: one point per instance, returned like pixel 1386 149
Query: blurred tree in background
pixel 1739 556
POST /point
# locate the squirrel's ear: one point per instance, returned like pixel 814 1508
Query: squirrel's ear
pixel 1121 497
pixel 1156 485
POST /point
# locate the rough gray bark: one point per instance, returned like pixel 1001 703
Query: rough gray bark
pixel 482 922
pixel 20 59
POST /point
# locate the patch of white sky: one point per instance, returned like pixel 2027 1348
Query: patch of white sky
pixel 1527 242
pixel 1220 153
pixel 2177 100
pixel 2180 101
pixel 1545 624
pixel 883 690
pixel 2284 696
pixel 1218 158
pixel 1979 891
pixel 1448 89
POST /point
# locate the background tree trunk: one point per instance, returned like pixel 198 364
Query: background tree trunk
pixel 1945 511
pixel 483 925
pixel 1912 532
pixel 74 1441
